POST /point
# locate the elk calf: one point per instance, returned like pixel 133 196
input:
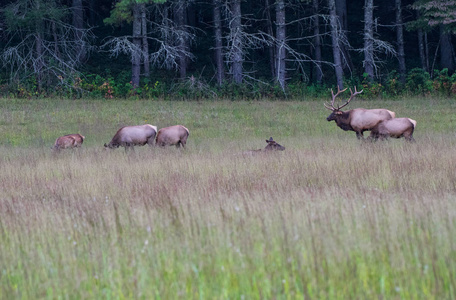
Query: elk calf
pixel 68 141
pixel 395 128
pixel 358 119
pixel 271 146
pixel 174 135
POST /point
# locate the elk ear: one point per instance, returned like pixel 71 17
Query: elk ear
pixel 338 112
pixel 105 145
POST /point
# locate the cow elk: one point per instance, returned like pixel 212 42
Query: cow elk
pixel 395 128
pixel 358 119
pixel 68 141
pixel 130 136
pixel 176 135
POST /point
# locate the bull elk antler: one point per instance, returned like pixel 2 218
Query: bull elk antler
pixel 331 107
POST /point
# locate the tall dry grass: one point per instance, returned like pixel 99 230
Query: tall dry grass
pixel 330 217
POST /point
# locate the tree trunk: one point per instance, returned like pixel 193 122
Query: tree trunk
pixel 39 61
pixel 220 73
pixel 136 53
pixel 446 51
pixel 400 41
pixel 281 43
pixel 145 43
pixel 335 43
pixel 270 31
pixel 39 65
pixel 341 11
pixel 78 23
pixel 369 39
pixel 423 58
pixel 426 51
pixel 236 31
pixel 179 13
pixel 56 40
pixel 317 41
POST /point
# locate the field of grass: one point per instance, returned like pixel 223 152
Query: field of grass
pixel 328 218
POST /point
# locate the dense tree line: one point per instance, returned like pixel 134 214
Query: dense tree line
pixel 127 47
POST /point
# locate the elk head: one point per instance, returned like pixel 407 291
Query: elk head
pixel 336 111
pixel 273 145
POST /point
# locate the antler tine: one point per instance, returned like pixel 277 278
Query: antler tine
pixel 331 107
pixel 351 96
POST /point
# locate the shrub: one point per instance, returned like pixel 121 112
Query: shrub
pixel 418 82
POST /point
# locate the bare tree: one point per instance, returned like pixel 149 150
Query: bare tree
pixel 165 37
pixel 369 39
pixel 400 41
pixel 341 11
pixel 78 24
pixel 236 51
pixel 220 72
pixel 317 41
pixel 270 32
pixel 281 43
pixel 335 38
pixel 180 21
pixel 145 42
pixel 44 45
pixel 137 41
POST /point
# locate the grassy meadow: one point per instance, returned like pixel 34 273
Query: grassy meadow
pixel 330 217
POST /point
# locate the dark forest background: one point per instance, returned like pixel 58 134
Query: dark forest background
pixel 225 48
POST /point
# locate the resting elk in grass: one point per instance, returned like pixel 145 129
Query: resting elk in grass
pixel 130 136
pixel 395 128
pixel 358 119
pixel 270 147
pixel 68 141
pixel 174 135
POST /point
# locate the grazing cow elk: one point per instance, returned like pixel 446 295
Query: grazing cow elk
pixel 271 146
pixel 68 141
pixel 358 119
pixel 174 135
pixel 130 136
pixel 395 128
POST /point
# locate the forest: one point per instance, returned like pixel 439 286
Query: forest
pixel 189 49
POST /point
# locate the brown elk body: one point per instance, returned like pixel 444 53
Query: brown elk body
pixel 270 147
pixel 68 141
pixel 130 136
pixel 174 135
pixel 395 128
pixel 358 119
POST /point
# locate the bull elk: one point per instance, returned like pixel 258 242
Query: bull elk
pixel 68 141
pixel 395 128
pixel 174 135
pixel 130 136
pixel 358 119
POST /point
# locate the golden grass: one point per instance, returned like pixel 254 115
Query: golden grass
pixel 329 217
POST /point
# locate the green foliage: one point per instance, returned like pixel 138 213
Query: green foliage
pixel 435 13
pixel 122 11
pixel 394 87
pixel 442 82
pixel 371 89
pixel 418 82
pixel 27 15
